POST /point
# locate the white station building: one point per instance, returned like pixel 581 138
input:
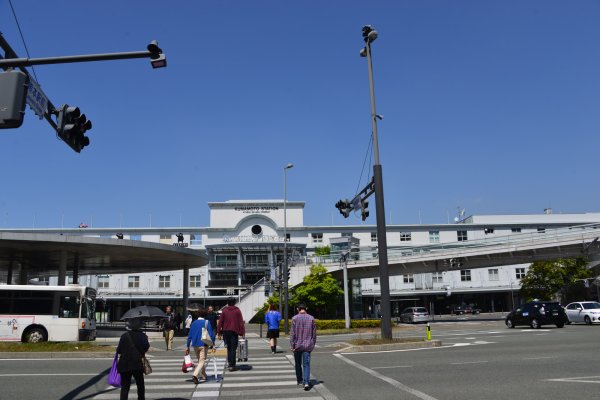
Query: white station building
pixel 245 243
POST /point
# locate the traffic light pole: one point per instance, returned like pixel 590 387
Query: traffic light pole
pixel 384 277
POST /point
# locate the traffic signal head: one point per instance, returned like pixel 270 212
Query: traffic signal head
pixel 344 206
pixel 72 126
pixel 364 209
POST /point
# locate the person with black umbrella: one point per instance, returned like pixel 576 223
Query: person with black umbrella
pixel 132 347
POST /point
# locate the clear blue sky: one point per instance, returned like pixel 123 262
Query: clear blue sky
pixel 491 106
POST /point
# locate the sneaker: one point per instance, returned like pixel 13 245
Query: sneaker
pixel 307 387
pixel 195 379
pixel 272 352
pixel 299 384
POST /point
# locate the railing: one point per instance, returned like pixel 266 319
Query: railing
pixel 582 232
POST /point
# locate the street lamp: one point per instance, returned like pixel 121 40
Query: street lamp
pixel 344 263
pixel 369 35
pixel 285 261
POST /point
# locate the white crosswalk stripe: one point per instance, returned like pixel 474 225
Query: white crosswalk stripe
pixel 168 382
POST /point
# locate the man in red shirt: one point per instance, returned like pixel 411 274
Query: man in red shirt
pixel 230 327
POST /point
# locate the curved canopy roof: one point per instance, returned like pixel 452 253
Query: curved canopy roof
pixel 42 253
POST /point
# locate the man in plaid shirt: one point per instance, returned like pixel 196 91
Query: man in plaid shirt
pixel 303 336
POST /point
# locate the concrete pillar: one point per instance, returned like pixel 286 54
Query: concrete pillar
pixel 9 275
pixel 186 289
pixel 62 269
pixel 240 263
pixel 23 275
pixel 76 269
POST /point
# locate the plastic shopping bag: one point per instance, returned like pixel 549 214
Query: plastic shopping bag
pixel 114 378
pixel 188 365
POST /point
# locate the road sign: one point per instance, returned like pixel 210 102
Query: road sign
pixel 36 99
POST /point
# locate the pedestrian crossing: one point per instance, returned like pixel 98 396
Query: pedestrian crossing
pixel 264 376
pixel 168 382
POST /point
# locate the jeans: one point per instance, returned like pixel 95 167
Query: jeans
pixel 302 360
pixel 230 339
pixel 126 383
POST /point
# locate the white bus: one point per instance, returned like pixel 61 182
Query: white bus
pixel 33 313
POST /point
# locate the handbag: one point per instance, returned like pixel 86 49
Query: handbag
pixel 188 364
pixel 114 377
pixel 206 339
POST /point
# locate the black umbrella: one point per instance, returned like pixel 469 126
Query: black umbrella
pixel 145 313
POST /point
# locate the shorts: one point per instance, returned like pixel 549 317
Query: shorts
pixel 272 333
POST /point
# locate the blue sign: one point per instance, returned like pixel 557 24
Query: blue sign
pixel 36 99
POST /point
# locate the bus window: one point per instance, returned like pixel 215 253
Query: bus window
pixel 69 306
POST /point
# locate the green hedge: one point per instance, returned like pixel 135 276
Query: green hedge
pixel 341 324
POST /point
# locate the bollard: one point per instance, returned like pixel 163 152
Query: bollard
pixel 428 332
pixel 260 329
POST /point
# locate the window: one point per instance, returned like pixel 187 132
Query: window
pixel 541 230
pixel 44 280
pixel 488 231
pixel 347 234
pixel 465 275
pixel 103 281
pixel 405 236
pixel 434 236
pixel 520 273
pixel 376 281
pixel 461 236
pixel 257 260
pixel 493 274
pixel 437 277
pixel 133 282
pixel 515 230
pixel 226 260
pixel 164 281
pixel 317 237
pixel 373 237
pixel 409 278
pixel 287 237
pixel 135 237
pixel 195 280
pixel 69 307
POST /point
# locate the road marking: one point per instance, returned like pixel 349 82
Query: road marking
pixel 538 358
pixel 581 379
pixel 395 366
pixel 54 359
pixel 29 374
pixel 384 378
pixel 469 362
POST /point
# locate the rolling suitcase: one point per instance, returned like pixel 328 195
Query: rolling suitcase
pixel 242 350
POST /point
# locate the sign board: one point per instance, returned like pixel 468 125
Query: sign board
pixel 36 99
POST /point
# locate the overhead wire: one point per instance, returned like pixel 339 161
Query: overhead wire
pixel 22 37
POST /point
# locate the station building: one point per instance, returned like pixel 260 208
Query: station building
pixel 246 240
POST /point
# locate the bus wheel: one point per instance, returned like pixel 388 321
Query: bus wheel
pixel 35 335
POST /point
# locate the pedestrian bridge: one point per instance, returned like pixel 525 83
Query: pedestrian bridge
pixel 516 248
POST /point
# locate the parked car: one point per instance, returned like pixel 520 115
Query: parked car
pixel 414 315
pixel 466 309
pixel 583 311
pixel 536 314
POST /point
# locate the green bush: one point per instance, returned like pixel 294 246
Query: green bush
pixel 323 324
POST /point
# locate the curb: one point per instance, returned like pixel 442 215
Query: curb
pixel 40 354
pixel 391 346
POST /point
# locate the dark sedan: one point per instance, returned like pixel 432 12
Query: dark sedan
pixel 536 314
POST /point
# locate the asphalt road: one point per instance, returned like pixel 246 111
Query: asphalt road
pixel 479 359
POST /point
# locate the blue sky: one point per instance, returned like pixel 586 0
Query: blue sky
pixel 488 106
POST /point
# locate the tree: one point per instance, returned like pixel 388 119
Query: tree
pixel 319 291
pixel 322 251
pixel 546 280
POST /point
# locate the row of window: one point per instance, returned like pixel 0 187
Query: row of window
pixel 465 276
pixel 133 281
pixel 434 236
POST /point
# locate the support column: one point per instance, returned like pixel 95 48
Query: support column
pixel 62 268
pixel 186 289
pixel 240 264
pixel 76 269
pixel 23 275
pixel 9 274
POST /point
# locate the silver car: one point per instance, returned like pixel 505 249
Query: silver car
pixel 414 315
pixel 584 311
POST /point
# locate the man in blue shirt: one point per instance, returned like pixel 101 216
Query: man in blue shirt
pixel 272 318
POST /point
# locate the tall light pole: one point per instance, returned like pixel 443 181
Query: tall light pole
pixel 369 35
pixel 285 260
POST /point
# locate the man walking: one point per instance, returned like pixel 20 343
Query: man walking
pixel 230 327
pixel 169 327
pixel 303 337
pixel 212 316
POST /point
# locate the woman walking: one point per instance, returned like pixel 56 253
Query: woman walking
pixel 132 347
pixel 195 339
pixel 272 318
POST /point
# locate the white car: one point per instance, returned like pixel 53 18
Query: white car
pixel 414 315
pixel 584 311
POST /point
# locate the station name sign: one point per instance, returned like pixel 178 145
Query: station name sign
pixel 252 239
pixel 257 209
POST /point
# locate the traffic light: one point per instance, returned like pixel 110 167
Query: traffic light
pixel 364 209
pixel 72 126
pixel 344 206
